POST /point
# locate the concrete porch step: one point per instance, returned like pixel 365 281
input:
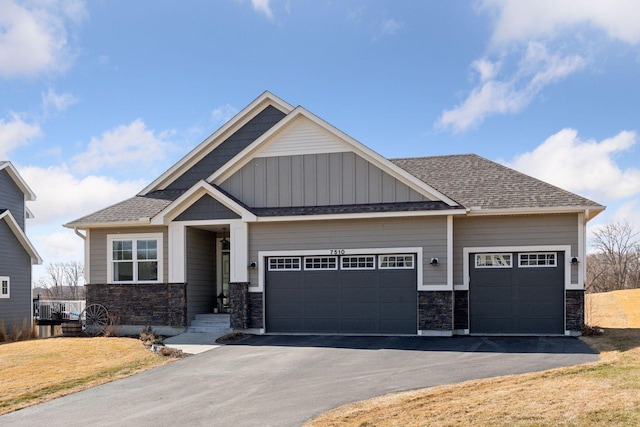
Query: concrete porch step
pixel 211 324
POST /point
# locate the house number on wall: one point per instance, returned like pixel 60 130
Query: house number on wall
pixel 337 251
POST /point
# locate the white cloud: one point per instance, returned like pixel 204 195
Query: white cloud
pixel 390 26
pixel 521 61
pixel 62 196
pixel 263 6
pixel 585 167
pixel 486 69
pixel 510 94
pixel 122 147
pixel 58 102
pixel 518 20
pixel 34 36
pixel 62 245
pixel 15 133
pixel 224 113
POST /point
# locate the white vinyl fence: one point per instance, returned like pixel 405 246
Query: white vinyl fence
pixel 58 309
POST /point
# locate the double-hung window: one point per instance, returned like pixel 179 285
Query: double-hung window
pixel 135 258
pixel 5 288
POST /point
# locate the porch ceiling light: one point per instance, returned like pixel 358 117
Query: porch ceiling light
pixel 226 245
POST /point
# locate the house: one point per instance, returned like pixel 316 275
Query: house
pixel 17 254
pixel 295 227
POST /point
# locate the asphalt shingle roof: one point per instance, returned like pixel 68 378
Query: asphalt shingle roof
pixel 131 210
pixel 473 181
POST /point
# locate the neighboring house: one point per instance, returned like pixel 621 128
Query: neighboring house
pixel 17 254
pixel 299 228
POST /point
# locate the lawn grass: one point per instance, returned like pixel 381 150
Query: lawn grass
pixel 40 370
pixel 603 393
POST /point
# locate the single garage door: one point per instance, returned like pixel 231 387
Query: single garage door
pixel 349 294
pixel 516 293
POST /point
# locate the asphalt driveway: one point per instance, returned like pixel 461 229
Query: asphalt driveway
pixel 285 380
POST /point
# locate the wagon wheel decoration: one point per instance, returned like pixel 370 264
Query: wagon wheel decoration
pixel 95 319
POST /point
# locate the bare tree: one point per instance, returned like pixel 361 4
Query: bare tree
pixel 62 280
pixel 616 264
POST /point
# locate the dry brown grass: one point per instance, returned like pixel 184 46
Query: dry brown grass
pixel 604 393
pixel 40 370
pixel 616 309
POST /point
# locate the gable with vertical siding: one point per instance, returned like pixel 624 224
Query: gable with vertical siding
pixel 206 207
pixel 229 148
pixel 316 180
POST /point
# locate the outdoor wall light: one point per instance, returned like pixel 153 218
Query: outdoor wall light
pixel 434 261
pixel 226 245
pixel 574 260
pixel 253 264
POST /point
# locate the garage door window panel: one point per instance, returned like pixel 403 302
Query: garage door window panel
pixel 358 263
pixel 493 260
pixel 404 261
pixel 284 264
pixel 537 259
pixel 321 263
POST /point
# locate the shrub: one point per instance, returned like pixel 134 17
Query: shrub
pixel 148 337
pixel 3 331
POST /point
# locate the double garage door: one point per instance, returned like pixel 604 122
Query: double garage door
pixel 516 293
pixel 342 294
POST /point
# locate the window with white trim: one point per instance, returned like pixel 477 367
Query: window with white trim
pixel 321 263
pixel 284 264
pixel 358 262
pixel 402 261
pixel 5 287
pixel 537 259
pixel 135 259
pixel 493 260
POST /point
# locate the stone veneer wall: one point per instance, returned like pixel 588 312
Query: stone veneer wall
pixel 246 307
pixel 435 311
pixel 256 313
pixel 574 301
pixel 461 310
pixel 152 304
pixel 238 304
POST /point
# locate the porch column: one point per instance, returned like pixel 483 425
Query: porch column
pixel 176 253
pixel 239 252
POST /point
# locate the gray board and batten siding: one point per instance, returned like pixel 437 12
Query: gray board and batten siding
pixel 316 180
pixel 430 233
pixel 98 254
pixel 12 198
pixel 15 263
pixel 224 152
pixel 206 207
pixel 516 230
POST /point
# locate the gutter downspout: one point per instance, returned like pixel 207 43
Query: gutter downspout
pixel 82 236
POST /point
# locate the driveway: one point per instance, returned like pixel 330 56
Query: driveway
pixel 286 380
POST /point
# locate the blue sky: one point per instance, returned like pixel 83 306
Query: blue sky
pixel 99 98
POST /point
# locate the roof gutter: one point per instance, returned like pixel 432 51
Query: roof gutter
pixel 82 236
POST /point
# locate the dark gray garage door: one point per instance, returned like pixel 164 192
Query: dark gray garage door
pixel 368 294
pixel 516 293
